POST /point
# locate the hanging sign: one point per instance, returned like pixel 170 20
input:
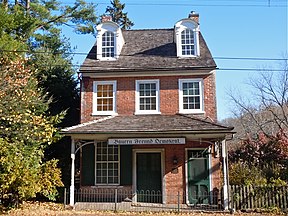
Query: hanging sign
pixel 146 141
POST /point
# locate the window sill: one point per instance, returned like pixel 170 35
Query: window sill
pixel 147 113
pixel 104 114
pixel 191 112
pixel 188 56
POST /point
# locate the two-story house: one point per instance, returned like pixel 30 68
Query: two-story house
pixel 148 114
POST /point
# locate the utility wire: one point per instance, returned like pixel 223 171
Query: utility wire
pixel 94 53
pixel 195 5
pixel 77 66
pixel 262 3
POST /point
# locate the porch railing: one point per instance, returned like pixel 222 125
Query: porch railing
pixel 117 199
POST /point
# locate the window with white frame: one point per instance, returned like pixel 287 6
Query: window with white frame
pixel 190 95
pixel 107 164
pixel 108 45
pixel 109 41
pixel 187 38
pixel 147 96
pixel 187 42
pixel 104 97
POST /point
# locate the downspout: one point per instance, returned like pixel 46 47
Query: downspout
pixel 225 177
pixel 72 187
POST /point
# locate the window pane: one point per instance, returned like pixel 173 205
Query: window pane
pixel 115 157
pixel 110 157
pixel 147 92
pixel 98 179
pixel 110 180
pixel 147 107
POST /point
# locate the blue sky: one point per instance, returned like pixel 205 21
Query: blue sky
pixel 247 28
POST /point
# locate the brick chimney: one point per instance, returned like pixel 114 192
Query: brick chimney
pixel 106 18
pixel 194 16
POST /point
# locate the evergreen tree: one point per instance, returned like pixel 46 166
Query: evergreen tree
pixel 118 16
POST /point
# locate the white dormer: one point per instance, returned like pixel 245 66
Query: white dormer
pixel 109 41
pixel 187 38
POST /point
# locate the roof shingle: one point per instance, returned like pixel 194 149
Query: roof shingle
pixel 146 123
pixel 152 49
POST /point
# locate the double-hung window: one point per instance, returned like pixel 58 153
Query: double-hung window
pixel 147 97
pixel 108 45
pixel 107 164
pixel 191 96
pixel 187 34
pixel 104 97
pixel 187 42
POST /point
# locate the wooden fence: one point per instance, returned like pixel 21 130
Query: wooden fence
pixel 254 197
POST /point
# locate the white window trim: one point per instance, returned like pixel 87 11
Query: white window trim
pixel 94 101
pixel 181 26
pixel 188 44
pixel 201 85
pixel 137 98
pixel 95 174
pixel 118 40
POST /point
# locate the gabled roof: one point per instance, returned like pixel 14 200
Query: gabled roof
pixel 151 49
pixel 148 124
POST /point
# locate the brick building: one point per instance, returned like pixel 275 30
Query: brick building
pixel 148 114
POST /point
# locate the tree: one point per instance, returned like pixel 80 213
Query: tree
pixel 27 118
pixel 118 16
pixel 36 34
pixel 30 36
pixel 261 124
pixel 260 158
pixel 266 109
pixel 25 131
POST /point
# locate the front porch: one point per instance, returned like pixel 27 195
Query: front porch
pixel 178 157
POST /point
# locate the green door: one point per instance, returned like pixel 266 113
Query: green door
pixel 198 177
pixel 149 177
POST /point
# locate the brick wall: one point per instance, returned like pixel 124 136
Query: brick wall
pixel 169 95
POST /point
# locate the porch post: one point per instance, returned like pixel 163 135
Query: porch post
pixel 72 187
pixel 225 177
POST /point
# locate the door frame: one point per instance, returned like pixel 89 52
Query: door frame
pixel 134 170
pixel 186 171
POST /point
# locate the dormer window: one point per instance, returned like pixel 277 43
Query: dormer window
pixel 108 45
pixel 187 38
pixel 187 42
pixel 109 41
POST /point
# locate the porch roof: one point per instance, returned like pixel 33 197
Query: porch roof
pixel 148 124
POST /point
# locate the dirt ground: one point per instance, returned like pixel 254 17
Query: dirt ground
pixel 52 209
